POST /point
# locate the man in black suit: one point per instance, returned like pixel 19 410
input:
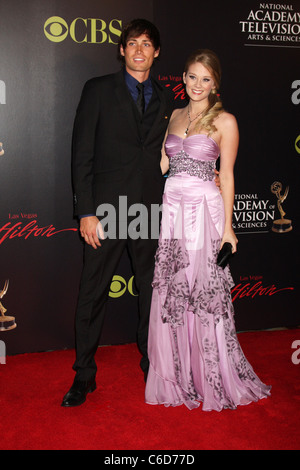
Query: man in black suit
pixel 116 152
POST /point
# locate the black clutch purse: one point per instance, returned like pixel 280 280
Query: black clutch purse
pixel 224 255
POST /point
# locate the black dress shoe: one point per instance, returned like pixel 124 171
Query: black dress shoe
pixel 146 375
pixel 78 392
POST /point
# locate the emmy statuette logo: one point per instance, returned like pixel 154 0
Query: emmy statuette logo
pixel 6 323
pixel 281 225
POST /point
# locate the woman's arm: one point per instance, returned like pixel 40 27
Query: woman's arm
pixel 229 142
pixel 164 162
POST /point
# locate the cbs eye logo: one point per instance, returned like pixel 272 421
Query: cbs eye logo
pixel 83 30
pixel 56 29
pixel 119 286
pixel 297 144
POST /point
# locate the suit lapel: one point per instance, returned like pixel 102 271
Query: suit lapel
pixel 161 115
pixel 126 104
pixel 125 101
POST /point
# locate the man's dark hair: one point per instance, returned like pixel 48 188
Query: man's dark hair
pixel 136 28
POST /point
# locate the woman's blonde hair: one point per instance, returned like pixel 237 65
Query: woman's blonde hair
pixel 211 61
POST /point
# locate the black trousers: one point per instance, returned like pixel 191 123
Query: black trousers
pixel 98 270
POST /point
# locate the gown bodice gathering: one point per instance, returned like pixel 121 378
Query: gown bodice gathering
pixel 195 155
pixel 196 146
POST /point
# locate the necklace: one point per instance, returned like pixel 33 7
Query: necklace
pixel 191 120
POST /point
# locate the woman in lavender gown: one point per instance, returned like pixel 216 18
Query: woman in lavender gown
pixel 193 348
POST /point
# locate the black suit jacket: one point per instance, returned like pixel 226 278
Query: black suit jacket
pixel 114 153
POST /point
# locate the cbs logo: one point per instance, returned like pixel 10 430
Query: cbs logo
pixel 297 144
pixel 119 286
pixel 83 30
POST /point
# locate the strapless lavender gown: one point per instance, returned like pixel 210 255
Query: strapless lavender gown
pixel 193 348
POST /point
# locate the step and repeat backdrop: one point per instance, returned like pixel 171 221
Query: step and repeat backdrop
pixel 48 51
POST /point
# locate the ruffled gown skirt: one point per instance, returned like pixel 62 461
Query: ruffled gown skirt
pixel 193 349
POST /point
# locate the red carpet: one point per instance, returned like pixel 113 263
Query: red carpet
pixel 115 416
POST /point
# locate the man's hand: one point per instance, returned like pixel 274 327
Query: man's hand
pixel 91 230
pixel 217 180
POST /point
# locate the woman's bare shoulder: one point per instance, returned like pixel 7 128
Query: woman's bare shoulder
pixel 226 120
